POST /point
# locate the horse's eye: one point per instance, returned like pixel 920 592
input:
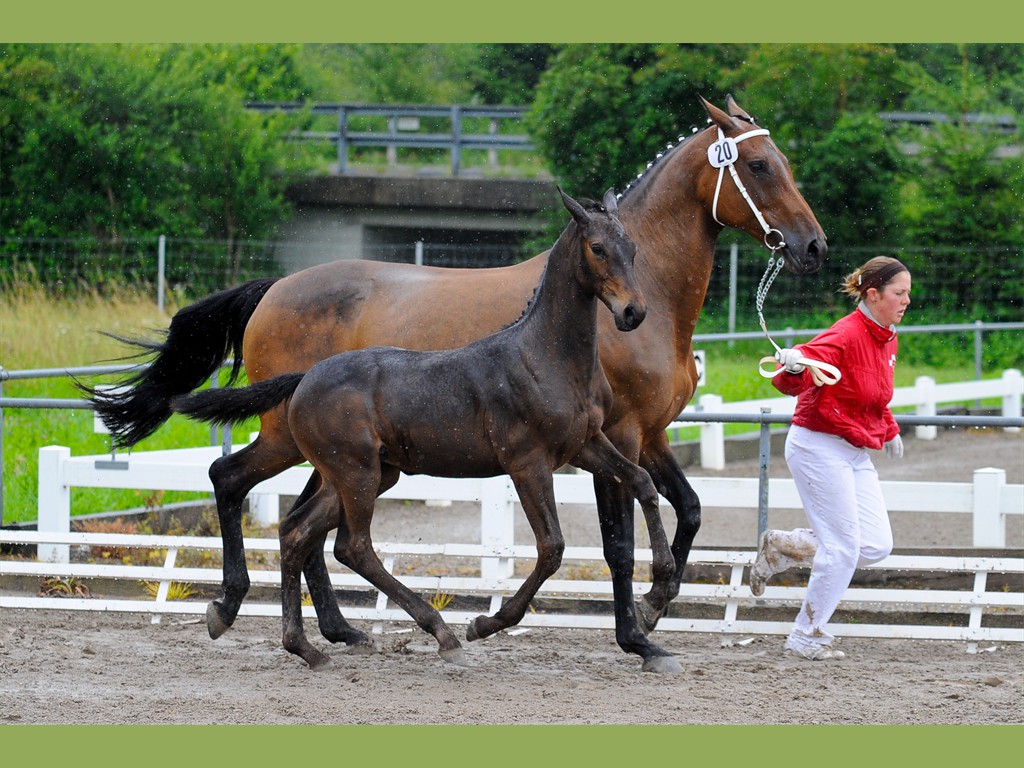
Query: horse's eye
pixel 758 166
pixel 598 250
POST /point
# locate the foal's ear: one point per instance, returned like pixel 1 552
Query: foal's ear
pixel 575 209
pixel 610 203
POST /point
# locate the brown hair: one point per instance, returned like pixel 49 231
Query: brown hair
pixel 875 273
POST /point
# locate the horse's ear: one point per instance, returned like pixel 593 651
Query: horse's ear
pixel 610 203
pixel 574 208
pixel 735 109
pixel 717 115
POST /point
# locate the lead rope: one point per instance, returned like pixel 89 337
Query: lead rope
pixel 723 154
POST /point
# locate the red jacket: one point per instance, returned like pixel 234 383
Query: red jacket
pixel 857 407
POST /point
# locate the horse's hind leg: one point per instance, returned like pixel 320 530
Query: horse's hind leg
pixel 536 494
pixel 617 481
pixel 233 476
pixel 332 623
pixel 670 481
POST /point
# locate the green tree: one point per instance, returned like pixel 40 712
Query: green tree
pixel 118 141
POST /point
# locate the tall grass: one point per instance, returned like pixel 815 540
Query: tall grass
pixel 38 330
pixel 41 330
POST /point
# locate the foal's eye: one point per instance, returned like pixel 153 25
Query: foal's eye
pixel 598 250
pixel 758 166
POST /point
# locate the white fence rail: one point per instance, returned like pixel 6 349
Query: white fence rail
pixel 988 498
pixel 925 397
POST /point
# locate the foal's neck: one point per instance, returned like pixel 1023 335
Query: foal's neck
pixel 562 318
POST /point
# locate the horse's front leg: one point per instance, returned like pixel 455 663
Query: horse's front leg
pixel 536 494
pixel 616 480
pixel 670 481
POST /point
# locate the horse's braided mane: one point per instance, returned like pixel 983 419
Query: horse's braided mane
pixel 668 150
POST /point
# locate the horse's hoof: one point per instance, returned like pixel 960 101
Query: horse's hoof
pixel 647 616
pixel 663 665
pixel 456 656
pixel 471 632
pixel 215 624
pixel 361 649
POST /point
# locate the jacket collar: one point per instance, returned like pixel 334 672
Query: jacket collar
pixel 877 330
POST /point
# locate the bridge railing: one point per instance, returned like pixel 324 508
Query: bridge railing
pixel 403 128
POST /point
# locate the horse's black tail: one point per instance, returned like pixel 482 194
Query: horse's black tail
pixel 199 340
pixel 229 405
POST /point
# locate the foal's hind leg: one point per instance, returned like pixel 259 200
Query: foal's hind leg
pixel 536 494
pixel 617 481
pixel 331 622
pixel 354 549
pixel 300 533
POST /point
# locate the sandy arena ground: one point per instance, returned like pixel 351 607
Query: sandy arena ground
pixel 64 667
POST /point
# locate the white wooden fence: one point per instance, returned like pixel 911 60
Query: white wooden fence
pixel 925 397
pixel 989 499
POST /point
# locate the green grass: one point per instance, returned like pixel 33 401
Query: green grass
pixel 38 330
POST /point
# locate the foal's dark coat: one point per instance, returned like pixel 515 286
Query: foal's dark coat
pixel 521 402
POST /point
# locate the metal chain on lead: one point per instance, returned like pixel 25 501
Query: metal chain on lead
pixel 770 273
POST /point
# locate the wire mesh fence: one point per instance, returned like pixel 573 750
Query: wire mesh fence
pixel 954 284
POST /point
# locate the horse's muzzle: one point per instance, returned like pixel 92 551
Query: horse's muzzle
pixel 805 259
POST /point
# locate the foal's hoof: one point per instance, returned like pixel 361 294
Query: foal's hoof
pixel 317 661
pixel 471 630
pixel 215 624
pixel 663 665
pixel 456 656
pixel 647 616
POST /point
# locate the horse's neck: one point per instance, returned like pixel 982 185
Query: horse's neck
pixel 562 318
pixel 675 236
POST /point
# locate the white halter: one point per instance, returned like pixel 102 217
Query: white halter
pixel 723 154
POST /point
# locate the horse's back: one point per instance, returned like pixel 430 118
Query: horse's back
pixel 347 305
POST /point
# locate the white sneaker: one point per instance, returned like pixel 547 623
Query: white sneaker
pixel 814 652
pixel 761 571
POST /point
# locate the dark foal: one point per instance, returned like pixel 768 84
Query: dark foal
pixel 522 402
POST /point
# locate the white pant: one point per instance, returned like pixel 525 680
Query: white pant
pixel 839 489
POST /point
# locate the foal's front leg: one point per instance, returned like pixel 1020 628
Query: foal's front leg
pixel 536 494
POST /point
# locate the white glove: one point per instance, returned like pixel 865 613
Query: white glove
pixel 788 358
pixel 894 448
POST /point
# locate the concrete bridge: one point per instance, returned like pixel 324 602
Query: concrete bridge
pixel 458 215
pixel 459 221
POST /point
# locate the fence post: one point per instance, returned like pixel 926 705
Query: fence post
pixel 54 502
pixel 161 272
pixel 925 396
pixel 989 526
pixel 342 140
pixel 1012 399
pixel 497 524
pixel 456 139
pixel 764 455
pixel 712 435
pixel 734 258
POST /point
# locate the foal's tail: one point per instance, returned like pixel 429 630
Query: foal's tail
pixel 230 405
pixel 200 338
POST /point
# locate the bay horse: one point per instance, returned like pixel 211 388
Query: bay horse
pixel 523 402
pixel 674 212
